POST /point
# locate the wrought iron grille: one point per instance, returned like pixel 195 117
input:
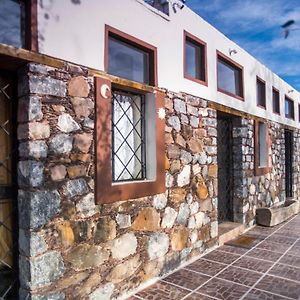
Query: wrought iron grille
pixel 225 169
pixel 8 209
pixel 128 136
pixel 161 5
pixel 288 163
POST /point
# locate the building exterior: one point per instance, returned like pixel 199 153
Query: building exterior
pixel 127 135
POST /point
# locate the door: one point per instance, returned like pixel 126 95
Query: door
pixel 8 233
pixel 288 136
pixel 225 168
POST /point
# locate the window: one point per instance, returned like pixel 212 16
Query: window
pixel 230 76
pixel 261 93
pixel 161 5
pixel 276 101
pixel 12 23
pixel 194 59
pixel 289 108
pixel 299 112
pixel 130 58
pixel 261 148
pixel 130 142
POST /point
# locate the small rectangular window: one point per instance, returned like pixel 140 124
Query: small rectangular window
pixel 12 19
pixel 130 58
pixel 161 5
pixel 261 148
pixel 230 77
pixel 289 108
pixel 299 112
pixel 276 101
pixel 260 93
pixel 194 58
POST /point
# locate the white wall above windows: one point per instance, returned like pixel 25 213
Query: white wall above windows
pixel 76 32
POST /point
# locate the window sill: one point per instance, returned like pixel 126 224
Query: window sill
pixel 259 171
pixel 231 94
pixel 261 106
pixel 199 81
pixel 154 10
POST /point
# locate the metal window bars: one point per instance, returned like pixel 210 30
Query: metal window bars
pixel 128 136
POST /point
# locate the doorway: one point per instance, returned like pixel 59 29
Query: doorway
pixel 8 191
pixel 225 167
pixel 288 137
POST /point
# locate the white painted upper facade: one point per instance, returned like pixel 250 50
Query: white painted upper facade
pixel 76 33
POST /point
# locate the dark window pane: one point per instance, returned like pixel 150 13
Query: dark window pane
pixel 229 78
pixel 262 145
pixel 194 60
pixel 276 102
pixel 289 108
pixel 11 13
pixel 127 61
pixel 261 93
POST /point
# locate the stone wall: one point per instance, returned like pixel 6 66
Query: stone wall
pixel 71 248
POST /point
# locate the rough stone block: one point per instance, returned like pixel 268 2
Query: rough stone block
pixel 76 187
pixel 123 220
pixel 29 109
pixel 31 243
pixel 67 124
pixel 61 144
pixel 34 131
pixel 158 245
pixel 86 206
pixel 42 270
pixel 105 230
pixel 148 219
pixel 47 86
pixel 82 142
pixel 34 149
pixel 104 292
pixel 78 87
pixel 124 246
pixel 30 173
pixel 37 208
pixel 82 107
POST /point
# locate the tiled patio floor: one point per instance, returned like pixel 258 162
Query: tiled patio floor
pixel 269 269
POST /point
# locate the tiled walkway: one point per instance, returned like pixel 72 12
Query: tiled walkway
pixel 269 269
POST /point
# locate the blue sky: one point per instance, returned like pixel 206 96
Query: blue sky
pixel 255 25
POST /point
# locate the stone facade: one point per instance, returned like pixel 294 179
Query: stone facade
pixel 71 248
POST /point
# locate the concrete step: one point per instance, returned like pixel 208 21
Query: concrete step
pixel 229 231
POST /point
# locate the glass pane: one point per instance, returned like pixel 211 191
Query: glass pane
pixel 10 23
pixel 128 141
pixel 262 134
pixel 260 94
pixel 229 78
pixel 276 106
pixel 127 61
pixel 193 61
pixel 161 5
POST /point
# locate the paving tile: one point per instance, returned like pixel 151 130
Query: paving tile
pixel 295 250
pixel 260 295
pixel 187 279
pixel 237 275
pixel 285 271
pixel 287 232
pixel 163 291
pixel 197 296
pixel 223 257
pixel 264 254
pixel 233 249
pixel 291 260
pixel 272 246
pixel 206 267
pixel 281 239
pixel 222 289
pixel 279 286
pixel 253 264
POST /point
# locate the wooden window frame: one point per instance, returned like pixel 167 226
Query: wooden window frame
pixel 261 170
pixel 274 90
pixel 198 42
pixel 234 64
pixel 261 81
pixel 287 98
pixel 106 190
pixel 137 43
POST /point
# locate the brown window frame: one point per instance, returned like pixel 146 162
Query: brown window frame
pixel 286 98
pixel 264 99
pixel 106 190
pixel 235 65
pixel 201 44
pixel 137 43
pixel 257 168
pixel 275 91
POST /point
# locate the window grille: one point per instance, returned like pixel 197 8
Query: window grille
pixel 128 136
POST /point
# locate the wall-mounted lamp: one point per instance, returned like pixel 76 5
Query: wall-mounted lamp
pixel 178 4
pixel 232 51
pixel 290 91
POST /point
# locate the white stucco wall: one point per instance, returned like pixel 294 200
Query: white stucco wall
pixel 75 32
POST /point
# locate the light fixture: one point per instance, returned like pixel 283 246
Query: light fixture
pixel 178 4
pixel 232 51
pixel 290 91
